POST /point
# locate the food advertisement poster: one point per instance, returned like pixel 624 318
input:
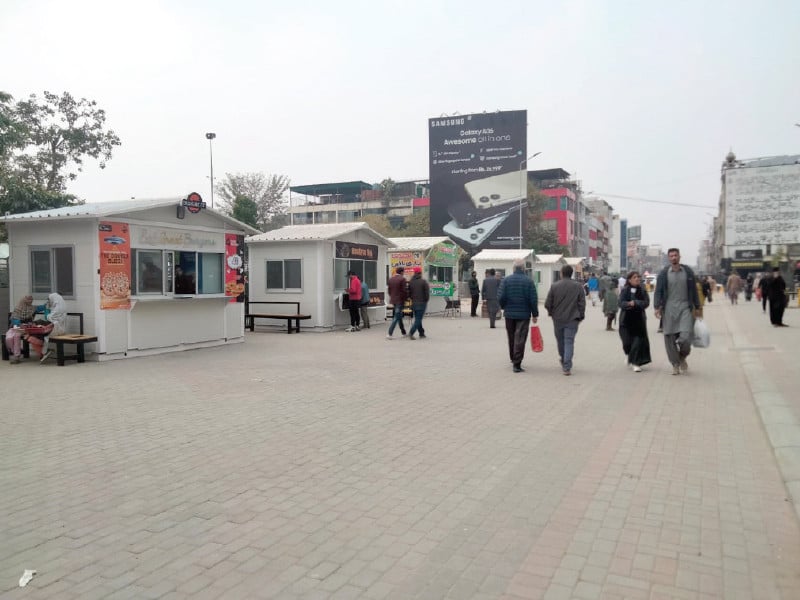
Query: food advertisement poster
pixel 234 267
pixel 407 260
pixel 115 265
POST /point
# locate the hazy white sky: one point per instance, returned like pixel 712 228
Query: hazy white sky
pixel 634 98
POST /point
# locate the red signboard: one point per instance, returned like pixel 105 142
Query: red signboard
pixel 115 265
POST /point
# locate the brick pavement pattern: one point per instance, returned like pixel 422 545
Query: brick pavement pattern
pixel 342 465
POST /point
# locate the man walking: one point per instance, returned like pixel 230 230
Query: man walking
pixel 594 287
pixel 474 293
pixel 763 285
pixel 733 287
pixel 517 296
pixel 489 289
pixel 420 293
pixel 676 299
pixel 398 292
pixel 566 304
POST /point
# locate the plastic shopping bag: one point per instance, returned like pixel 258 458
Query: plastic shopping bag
pixel 702 335
pixel 537 344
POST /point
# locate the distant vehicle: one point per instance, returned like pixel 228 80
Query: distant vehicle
pixel 114 239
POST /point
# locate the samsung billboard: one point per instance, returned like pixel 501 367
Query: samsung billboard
pixel 477 179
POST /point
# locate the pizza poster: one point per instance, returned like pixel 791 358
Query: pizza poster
pixel 234 267
pixel 115 265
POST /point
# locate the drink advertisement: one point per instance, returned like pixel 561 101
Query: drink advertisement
pixel 234 267
pixel 115 265
pixel 478 178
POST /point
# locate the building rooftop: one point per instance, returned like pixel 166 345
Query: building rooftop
pixel 548 258
pixel 502 254
pixel 307 233
pixel 418 243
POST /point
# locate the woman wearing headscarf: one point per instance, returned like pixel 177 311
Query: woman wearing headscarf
pixel 633 301
pixel 57 317
pixel 23 313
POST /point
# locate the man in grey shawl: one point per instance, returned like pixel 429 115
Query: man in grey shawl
pixel 676 299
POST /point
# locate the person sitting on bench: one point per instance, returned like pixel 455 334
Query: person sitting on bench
pixel 56 315
pixel 23 313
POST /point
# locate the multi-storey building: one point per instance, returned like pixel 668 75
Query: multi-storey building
pixel 564 212
pixel 348 201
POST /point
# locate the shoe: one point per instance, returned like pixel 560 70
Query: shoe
pixel 358 328
pixel 410 337
pixel 683 366
pixel 676 370
pixel 388 337
pixel 517 369
pixel 782 325
pixel 492 327
pixel 422 336
pixel 567 373
pixel 637 369
pixel 404 334
pixel 45 356
pixel 15 360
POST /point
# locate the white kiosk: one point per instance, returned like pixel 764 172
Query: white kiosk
pixel 309 264
pixel 148 276
pixel 438 259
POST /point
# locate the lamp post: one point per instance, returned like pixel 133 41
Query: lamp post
pixel 524 193
pixel 210 136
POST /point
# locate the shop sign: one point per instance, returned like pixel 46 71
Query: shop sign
pixel 407 260
pixel 179 239
pixel 193 203
pixel 115 266
pixel 749 264
pixel 442 288
pixel 234 267
pixel 443 255
pixel 754 253
pixel 351 250
pixel 375 299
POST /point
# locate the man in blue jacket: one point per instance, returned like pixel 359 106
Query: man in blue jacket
pixel 676 298
pixel 517 297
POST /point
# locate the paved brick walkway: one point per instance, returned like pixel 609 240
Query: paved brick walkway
pixel 342 465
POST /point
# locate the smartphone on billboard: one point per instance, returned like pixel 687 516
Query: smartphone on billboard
pixel 476 234
pixel 494 191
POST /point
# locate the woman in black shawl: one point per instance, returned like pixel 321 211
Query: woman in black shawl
pixel 633 301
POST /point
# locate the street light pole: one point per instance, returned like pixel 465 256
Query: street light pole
pixel 209 137
pixel 524 193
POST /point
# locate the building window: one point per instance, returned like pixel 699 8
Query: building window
pixel 284 275
pixel 550 224
pixel 161 272
pixel 52 270
pixel 552 204
pixel 367 270
pixel 148 272
pixel 564 203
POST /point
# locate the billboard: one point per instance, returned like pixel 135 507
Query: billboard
pixel 478 177
pixel 762 205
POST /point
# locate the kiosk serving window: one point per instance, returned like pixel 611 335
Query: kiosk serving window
pixel 52 270
pixel 444 274
pixel 367 270
pixel 161 272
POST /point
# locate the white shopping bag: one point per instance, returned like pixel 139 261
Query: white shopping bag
pixel 702 335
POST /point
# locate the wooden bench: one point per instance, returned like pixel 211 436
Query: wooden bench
pixel 250 317
pixel 78 339
pixel 26 351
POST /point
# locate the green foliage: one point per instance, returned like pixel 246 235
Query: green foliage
pixel 417 224
pixel 266 191
pixel 380 224
pixel 246 211
pixel 59 133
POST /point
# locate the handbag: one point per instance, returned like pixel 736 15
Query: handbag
pixel 702 335
pixel 537 343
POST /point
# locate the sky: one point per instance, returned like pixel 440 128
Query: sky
pixel 635 99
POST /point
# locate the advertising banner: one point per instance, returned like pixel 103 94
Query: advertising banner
pixel 442 288
pixel 478 177
pixel 443 255
pixel 115 266
pixel 234 267
pixel 407 260
pixel 351 250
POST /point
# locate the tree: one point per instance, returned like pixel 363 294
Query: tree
pixel 246 211
pixel 267 191
pixel 59 134
pixel 417 224
pixel 380 224
pixel 537 235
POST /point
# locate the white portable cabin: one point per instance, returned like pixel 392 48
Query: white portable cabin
pixel 548 270
pixel 309 264
pixel 438 259
pixel 96 256
pixel 502 261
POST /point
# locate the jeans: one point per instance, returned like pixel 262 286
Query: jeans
pixel 397 319
pixel 419 311
pixel 565 339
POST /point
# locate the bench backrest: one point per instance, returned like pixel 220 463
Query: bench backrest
pixel 74 321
